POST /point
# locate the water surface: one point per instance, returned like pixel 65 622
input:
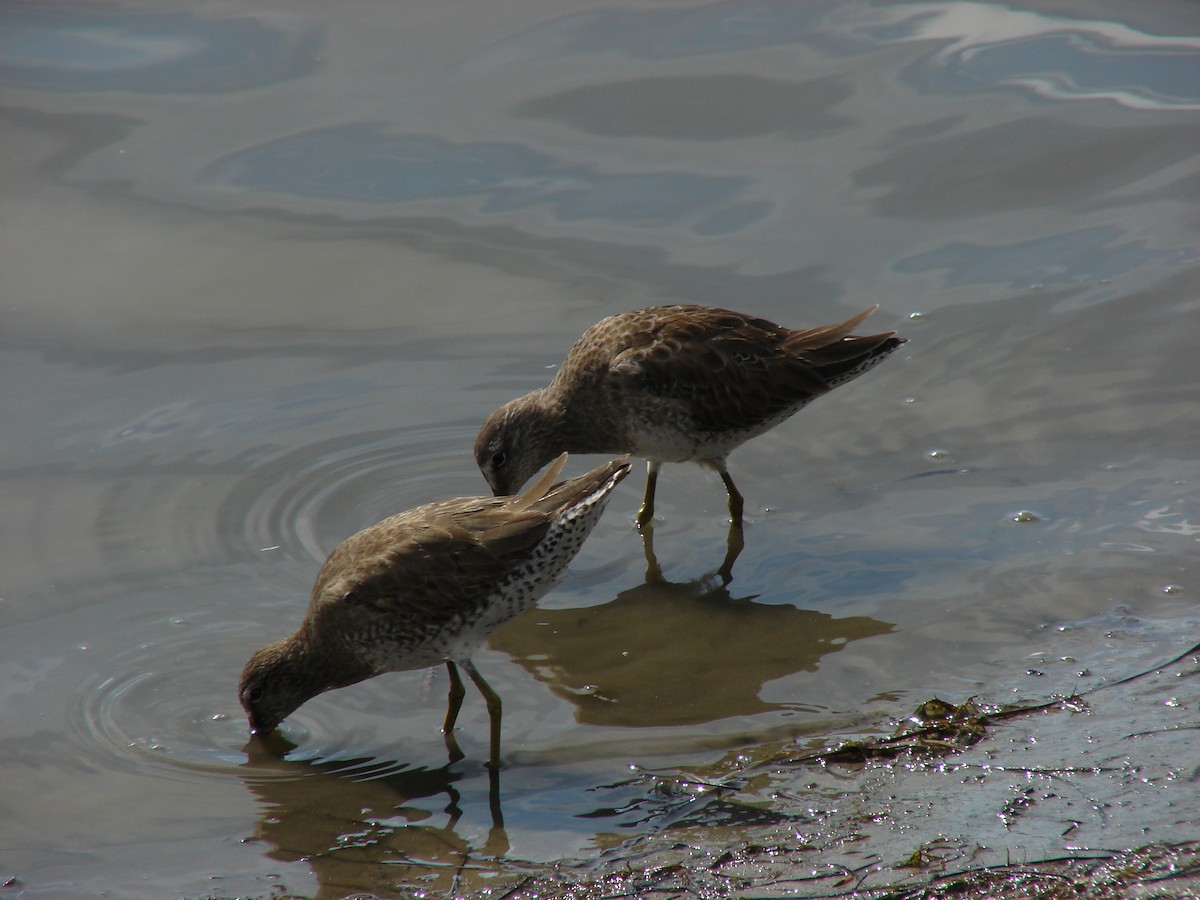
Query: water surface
pixel 268 269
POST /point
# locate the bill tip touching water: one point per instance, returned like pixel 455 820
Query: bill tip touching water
pixel 674 384
pixel 427 587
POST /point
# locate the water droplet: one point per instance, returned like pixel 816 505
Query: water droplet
pixel 910 399
pixel 1024 517
pixel 916 315
pixel 937 453
pixel 1172 589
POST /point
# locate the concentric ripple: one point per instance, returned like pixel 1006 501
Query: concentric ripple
pixel 170 704
pixel 157 681
pixel 312 497
pixel 155 704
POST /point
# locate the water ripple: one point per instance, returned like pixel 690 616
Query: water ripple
pixel 310 498
pixel 153 705
pixel 160 683
pixel 168 707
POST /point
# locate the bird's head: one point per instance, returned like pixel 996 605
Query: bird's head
pixel 515 441
pixel 274 683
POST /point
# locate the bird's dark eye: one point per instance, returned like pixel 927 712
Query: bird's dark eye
pixel 499 458
pixel 254 694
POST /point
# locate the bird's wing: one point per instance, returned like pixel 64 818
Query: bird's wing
pixel 730 370
pixel 434 563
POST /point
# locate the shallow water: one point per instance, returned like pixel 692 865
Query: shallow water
pixel 268 267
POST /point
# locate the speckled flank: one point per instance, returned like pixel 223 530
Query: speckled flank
pixel 528 580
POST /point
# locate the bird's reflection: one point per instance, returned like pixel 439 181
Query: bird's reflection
pixel 358 825
pixel 675 653
pixel 659 654
pixel 735 542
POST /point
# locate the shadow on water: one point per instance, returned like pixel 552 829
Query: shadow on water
pixel 659 655
pixel 735 543
pixel 355 822
pixel 675 653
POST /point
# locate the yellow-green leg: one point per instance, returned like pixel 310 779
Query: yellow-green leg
pixel 735 542
pixel 736 501
pixel 492 699
pixel 646 513
pixel 453 705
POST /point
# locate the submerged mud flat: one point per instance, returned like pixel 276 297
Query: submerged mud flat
pixel 1082 794
pixel 1154 871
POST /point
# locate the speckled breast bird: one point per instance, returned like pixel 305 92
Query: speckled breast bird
pixel 674 384
pixel 426 587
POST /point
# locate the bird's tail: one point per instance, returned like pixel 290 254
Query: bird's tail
pixel 837 355
pixel 584 489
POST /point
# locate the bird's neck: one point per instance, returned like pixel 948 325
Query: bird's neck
pixel 573 427
pixel 327 665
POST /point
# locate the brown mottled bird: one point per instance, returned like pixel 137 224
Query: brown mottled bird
pixel 425 587
pixel 674 384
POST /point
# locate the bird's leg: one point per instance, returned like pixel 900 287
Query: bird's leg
pixel 735 542
pixel 736 501
pixel 457 692
pixel 736 539
pixel 492 699
pixel 497 840
pixel 646 513
pixel 654 573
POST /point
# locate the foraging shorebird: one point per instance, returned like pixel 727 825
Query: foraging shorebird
pixel 425 587
pixel 674 384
